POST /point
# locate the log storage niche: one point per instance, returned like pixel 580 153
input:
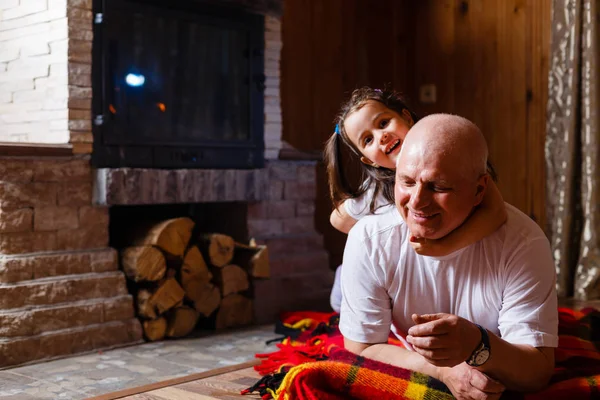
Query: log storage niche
pixel 182 278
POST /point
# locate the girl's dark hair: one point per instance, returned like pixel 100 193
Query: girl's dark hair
pixel 381 179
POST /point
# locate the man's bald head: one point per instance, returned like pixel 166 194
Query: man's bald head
pixel 440 175
pixel 446 135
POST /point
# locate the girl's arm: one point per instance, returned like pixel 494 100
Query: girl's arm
pixel 486 219
pixel 341 220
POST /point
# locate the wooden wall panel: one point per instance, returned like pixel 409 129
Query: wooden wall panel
pixel 538 53
pixel 297 71
pixel 487 58
pixel 330 48
pixel 433 54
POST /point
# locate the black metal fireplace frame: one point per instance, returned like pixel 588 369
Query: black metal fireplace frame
pixel 201 154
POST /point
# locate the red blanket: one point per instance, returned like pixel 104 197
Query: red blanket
pixel 312 364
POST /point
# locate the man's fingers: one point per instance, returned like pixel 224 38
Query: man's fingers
pixel 426 342
pixel 438 355
pixel 428 324
pixel 424 318
pixel 486 384
pixel 416 318
pixel 429 317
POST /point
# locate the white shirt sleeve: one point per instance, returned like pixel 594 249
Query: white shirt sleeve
pixel 360 206
pixel 366 312
pixel 529 313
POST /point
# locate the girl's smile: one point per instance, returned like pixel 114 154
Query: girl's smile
pixel 393 146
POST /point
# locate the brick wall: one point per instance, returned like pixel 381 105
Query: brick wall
pixel 80 20
pixel 46 81
pixel 284 221
pixel 61 290
pixel 272 89
pixel 33 71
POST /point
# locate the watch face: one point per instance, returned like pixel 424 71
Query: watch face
pixel 482 357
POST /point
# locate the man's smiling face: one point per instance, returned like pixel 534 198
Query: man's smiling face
pixel 436 189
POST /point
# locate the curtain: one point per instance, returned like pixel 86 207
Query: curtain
pixel 573 147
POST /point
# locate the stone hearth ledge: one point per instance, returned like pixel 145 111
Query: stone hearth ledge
pixel 136 186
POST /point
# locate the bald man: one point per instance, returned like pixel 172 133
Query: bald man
pixel 482 319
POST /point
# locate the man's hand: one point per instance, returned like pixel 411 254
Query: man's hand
pixel 467 383
pixel 445 340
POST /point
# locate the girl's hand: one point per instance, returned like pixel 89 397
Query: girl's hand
pixel 428 247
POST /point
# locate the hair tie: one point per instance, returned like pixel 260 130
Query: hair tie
pixel 377 90
pixel 337 129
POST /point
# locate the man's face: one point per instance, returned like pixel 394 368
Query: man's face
pixel 433 192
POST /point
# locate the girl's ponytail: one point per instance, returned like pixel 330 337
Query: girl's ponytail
pixel 339 187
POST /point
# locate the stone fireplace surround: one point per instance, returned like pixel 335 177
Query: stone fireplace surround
pixel 61 289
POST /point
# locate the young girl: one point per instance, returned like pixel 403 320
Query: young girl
pixel 373 125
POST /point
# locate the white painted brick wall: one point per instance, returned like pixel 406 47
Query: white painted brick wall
pixel 273 125
pixel 33 71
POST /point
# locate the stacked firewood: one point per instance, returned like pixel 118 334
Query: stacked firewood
pixel 179 276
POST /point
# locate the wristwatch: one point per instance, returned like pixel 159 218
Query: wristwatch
pixel 482 352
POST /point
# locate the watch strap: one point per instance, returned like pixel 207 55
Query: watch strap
pixel 485 338
pixel 484 344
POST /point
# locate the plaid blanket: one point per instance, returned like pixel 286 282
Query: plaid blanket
pixel 311 363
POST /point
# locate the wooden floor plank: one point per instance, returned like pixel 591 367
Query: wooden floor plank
pixel 217 386
pixel 219 380
pixel 224 386
pixel 176 393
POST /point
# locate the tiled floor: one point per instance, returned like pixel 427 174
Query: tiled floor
pixel 103 372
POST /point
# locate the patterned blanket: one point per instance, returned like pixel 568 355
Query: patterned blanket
pixel 311 363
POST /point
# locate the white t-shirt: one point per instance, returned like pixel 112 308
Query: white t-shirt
pixel 504 282
pixel 361 206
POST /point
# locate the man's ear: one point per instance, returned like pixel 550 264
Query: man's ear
pixel 481 187
pixel 408 117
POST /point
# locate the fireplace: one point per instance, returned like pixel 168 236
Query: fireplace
pixel 177 85
pixel 62 290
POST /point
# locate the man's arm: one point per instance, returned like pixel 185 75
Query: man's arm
pixel 447 340
pixel 366 314
pixel 528 320
pixel 519 367
pixel 393 355
pixel 463 381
